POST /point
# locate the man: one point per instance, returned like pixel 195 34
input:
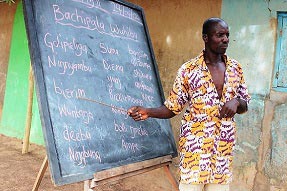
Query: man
pixel 213 87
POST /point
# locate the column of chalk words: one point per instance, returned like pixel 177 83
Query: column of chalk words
pixel 92 60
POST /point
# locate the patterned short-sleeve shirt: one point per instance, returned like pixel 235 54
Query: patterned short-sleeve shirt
pixel 206 142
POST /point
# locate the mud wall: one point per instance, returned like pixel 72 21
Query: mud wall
pixel 175 28
pixel 261 162
pixel 7 13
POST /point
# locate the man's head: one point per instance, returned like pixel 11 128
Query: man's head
pixel 215 34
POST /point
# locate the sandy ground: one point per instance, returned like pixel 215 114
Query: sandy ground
pixel 18 172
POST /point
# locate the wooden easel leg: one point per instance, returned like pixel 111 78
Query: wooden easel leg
pixel 29 113
pixel 40 174
pixel 171 177
pixel 86 185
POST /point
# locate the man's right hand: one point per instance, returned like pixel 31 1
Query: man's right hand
pixel 138 113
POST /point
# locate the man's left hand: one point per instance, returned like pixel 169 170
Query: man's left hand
pixel 229 109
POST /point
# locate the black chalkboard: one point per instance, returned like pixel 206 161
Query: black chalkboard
pixel 92 60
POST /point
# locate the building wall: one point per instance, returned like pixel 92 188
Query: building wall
pixel 6 25
pixel 175 30
pixel 16 84
pixel 261 159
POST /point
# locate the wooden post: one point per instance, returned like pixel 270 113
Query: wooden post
pixel 87 185
pixel 26 140
pixel 171 177
pixel 40 174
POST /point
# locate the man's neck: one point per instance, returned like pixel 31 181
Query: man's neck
pixel 213 59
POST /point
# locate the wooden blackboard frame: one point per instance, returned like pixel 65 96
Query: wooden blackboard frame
pixel 41 89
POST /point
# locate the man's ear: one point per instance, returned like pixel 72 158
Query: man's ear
pixel 205 37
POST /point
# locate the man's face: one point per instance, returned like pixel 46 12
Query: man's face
pixel 218 38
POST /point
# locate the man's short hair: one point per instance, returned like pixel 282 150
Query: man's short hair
pixel 207 25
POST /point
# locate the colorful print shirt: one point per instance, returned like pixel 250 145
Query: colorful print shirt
pixel 206 143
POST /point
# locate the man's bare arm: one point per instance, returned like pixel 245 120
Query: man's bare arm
pixel 141 113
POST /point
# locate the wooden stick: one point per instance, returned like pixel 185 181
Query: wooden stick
pixel 40 174
pixel 128 174
pixel 26 140
pixel 86 185
pixel 101 103
pixel 171 177
pixel 119 171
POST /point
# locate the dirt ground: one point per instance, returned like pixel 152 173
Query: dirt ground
pixel 18 172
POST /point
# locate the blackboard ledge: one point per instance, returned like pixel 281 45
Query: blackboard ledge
pixel 115 174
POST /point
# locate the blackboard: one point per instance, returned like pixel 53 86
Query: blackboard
pixel 92 60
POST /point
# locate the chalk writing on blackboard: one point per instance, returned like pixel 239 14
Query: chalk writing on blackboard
pixel 92 60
